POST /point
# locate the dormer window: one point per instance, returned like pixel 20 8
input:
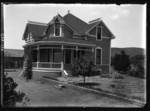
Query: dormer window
pixel 57 28
pixel 98 33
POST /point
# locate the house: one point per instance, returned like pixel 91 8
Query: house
pixel 55 44
pixel 13 58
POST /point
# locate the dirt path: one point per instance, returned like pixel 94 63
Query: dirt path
pixel 43 93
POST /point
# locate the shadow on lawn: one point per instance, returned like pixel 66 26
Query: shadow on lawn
pixel 88 84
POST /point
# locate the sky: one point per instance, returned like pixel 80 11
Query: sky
pixel 127 22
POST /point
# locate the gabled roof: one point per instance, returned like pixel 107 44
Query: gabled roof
pixel 13 52
pixel 36 28
pixel 59 17
pixel 76 23
pixel 91 26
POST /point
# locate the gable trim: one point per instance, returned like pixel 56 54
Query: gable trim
pixel 112 36
pixel 92 27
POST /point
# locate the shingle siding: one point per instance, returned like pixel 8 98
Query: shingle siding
pixel 67 32
pixel 93 32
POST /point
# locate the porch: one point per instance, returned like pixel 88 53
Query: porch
pixel 57 57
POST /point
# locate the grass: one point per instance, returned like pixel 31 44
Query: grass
pixel 43 93
pixel 121 85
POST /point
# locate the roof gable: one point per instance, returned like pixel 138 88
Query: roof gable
pixel 59 17
pixel 37 29
pixel 94 24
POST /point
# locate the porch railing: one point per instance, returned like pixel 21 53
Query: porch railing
pixel 46 65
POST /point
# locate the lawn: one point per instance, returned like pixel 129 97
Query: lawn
pixel 118 84
pixel 44 93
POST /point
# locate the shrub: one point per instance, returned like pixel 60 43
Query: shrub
pixel 83 67
pixel 121 62
pixel 10 95
pixel 137 66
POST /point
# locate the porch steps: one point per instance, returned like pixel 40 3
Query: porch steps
pixel 66 73
pixel 48 74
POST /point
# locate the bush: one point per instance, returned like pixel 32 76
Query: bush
pixel 10 95
pixel 137 66
pixel 83 67
pixel 121 62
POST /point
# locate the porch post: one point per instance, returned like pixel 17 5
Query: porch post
pixel 92 49
pixel 38 56
pixel 62 57
pixel 76 51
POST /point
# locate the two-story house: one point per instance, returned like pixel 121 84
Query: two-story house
pixel 54 45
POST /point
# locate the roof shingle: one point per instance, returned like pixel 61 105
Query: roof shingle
pixel 76 23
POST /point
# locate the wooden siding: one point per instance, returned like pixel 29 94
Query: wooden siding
pixel 105 45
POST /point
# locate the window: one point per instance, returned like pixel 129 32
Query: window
pixel 99 33
pixel 98 56
pixel 57 28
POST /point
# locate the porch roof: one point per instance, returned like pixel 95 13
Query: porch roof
pixel 62 41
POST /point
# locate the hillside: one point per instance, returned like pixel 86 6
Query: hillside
pixel 130 51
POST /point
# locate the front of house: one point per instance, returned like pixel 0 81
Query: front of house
pixel 56 44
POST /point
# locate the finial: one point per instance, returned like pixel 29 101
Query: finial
pixel 68 11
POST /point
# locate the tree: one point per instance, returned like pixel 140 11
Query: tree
pixel 137 65
pixel 10 95
pixel 121 62
pixel 83 67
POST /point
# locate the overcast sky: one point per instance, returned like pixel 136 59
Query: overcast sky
pixel 126 22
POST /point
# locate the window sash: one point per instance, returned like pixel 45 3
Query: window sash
pixel 98 56
pixel 99 33
pixel 57 29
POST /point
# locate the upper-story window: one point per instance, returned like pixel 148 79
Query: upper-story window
pixel 57 30
pixel 99 33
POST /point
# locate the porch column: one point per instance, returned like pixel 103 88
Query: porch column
pixel 62 57
pixel 38 56
pixel 76 51
pixel 92 49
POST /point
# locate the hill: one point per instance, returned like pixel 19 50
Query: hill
pixel 130 51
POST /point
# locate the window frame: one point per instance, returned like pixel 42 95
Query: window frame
pixel 97 33
pixel 57 22
pixel 100 56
